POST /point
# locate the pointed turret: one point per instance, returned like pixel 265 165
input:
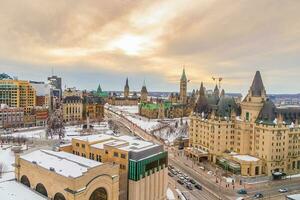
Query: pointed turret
pixel 183 76
pixel 144 93
pixel 202 104
pixel 257 88
pixel 99 89
pixel 216 91
pixel 201 92
pixel 126 89
pixel 222 93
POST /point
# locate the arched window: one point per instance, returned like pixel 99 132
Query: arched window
pixel 99 194
pixel 59 196
pixel 40 188
pixel 25 181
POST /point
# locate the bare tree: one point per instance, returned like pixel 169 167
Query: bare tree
pixel 55 125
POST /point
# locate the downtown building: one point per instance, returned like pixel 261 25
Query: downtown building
pixel 253 138
pixel 142 165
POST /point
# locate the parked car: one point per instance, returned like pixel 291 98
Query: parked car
pixel 174 172
pixel 283 190
pixel 192 181
pixel 180 182
pixel 198 186
pixel 189 186
pixel 242 191
pixel 170 174
pixel 258 195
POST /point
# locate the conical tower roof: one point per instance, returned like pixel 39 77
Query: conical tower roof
pixel 183 76
pixel 257 87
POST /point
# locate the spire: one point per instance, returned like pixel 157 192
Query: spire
pixel 222 93
pixel 144 83
pixel 216 91
pixel 126 85
pixel 201 92
pixel 183 76
pixel 257 87
pixel 99 89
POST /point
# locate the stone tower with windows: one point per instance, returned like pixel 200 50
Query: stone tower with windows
pixel 254 101
pixel 144 93
pixel 183 88
pixel 126 89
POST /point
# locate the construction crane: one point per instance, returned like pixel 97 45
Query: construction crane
pixel 217 80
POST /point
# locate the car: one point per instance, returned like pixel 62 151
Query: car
pixel 180 182
pixel 170 174
pixel 173 172
pixel 283 190
pixel 242 191
pixel 189 186
pixel 192 181
pixel 182 178
pixel 258 195
pixel 210 173
pixel 198 186
pixel 171 166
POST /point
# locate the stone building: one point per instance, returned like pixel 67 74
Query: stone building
pixel 126 99
pixel 253 138
pixel 93 108
pixel 144 93
pixel 143 165
pixel 72 108
pixel 11 117
pixel 176 106
pixel 64 176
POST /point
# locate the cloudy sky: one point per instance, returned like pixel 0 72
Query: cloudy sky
pixel 88 42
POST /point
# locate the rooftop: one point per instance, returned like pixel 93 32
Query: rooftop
pixel 13 190
pixel 246 158
pixel 62 163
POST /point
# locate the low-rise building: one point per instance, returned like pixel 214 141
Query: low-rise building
pixel 64 176
pixel 11 117
pixel 143 165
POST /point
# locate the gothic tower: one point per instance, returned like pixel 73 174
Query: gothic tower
pixel 254 101
pixel 183 88
pixel 144 93
pixel 126 89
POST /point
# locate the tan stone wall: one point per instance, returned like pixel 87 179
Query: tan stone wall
pixel 152 187
pixel 105 176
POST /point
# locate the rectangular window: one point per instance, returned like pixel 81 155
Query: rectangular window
pixel 123 155
pixel 116 154
pixel 247 116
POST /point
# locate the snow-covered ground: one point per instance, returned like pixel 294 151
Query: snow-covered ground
pixel 170 194
pixel 7 159
pixel 166 129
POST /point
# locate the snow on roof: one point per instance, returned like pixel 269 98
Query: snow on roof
pixel 63 163
pixel 104 139
pixel 246 158
pixel 12 190
pixel 294 197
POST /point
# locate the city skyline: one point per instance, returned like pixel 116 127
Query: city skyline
pixel 100 42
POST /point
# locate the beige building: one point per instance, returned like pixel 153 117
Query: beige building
pixel 143 165
pixel 17 93
pixel 264 136
pixel 72 108
pixel 64 176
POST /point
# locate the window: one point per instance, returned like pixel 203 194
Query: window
pixel 247 116
pixel 77 144
pixel 116 154
pixel 83 145
pixel 123 155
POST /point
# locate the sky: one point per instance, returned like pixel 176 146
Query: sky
pixel 91 42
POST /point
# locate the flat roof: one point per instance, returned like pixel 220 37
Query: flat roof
pixel 134 144
pixel 246 158
pixel 63 163
pixel 293 197
pixel 13 190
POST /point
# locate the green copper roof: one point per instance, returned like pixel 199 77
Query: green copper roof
pixel 154 106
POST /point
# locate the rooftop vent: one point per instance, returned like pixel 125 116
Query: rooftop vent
pixel 52 169
pixel 34 162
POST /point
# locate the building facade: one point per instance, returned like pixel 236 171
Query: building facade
pixel 93 108
pixel 72 109
pixel 143 165
pixel 11 117
pixel 252 139
pixel 177 106
pixel 126 99
pixel 64 176
pixel 17 93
